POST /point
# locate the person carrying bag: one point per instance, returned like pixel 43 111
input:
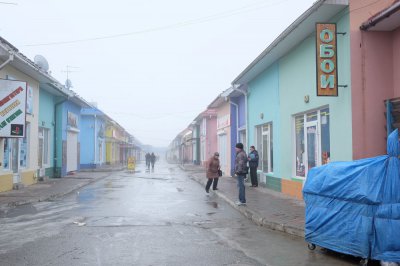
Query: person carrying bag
pixel 213 172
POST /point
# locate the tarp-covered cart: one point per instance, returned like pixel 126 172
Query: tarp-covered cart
pixel 354 207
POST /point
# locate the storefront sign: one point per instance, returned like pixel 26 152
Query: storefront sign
pixel 72 120
pixel 12 108
pixel 223 121
pixel 326 60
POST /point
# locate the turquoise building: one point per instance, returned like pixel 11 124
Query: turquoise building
pixel 49 99
pixel 292 128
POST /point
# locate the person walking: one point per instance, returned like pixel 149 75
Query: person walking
pixel 240 172
pixel 213 166
pixel 147 156
pixel 152 160
pixel 253 165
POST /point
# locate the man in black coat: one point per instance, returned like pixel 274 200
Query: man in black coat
pixel 253 164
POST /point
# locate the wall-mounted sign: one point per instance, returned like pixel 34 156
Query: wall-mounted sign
pixel 72 120
pixel 12 108
pixel 223 121
pixel 326 59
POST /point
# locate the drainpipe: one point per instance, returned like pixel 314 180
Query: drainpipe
pixel 55 138
pixel 237 119
pixel 11 58
pixel 236 88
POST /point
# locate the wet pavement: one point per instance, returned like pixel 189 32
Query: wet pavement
pixel 145 218
pixel 265 207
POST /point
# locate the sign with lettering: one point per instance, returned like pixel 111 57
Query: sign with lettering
pixel 223 121
pixel 12 108
pixel 326 59
pixel 72 120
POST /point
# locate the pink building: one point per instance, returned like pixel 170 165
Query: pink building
pixel 208 134
pixel 223 132
pixel 375 71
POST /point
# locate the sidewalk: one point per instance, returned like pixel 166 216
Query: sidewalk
pixel 265 207
pixel 49 189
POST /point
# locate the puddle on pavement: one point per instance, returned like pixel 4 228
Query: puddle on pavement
pixel 214 204
pixel 110 184
pixel 86 195
pixel 19 210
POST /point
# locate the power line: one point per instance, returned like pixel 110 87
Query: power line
pixel 8 3
pixel 222 15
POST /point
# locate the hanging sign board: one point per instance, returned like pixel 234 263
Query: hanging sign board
pixel 12 108
pixel 326 54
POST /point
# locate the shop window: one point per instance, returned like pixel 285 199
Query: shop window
pixel 6 152
pixel 264 144
pixel 24 148
pixel 311 140
pixel 243 139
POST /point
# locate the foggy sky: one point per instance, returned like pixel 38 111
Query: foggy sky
pixel 151 65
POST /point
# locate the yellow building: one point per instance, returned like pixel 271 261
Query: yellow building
pixel 19 155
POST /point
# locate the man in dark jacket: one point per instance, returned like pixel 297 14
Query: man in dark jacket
pixel 240 172
pixel 253 164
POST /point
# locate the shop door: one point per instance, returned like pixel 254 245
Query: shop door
pixel 312 143
pixel 72 151
pixel 222 151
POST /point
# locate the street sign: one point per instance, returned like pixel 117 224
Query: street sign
pixel 326 59
pixel 131 163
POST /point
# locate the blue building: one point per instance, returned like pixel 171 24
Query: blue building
pixel 93 145
pixel 68 134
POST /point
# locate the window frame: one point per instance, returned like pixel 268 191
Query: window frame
pixel 259 129
pixel 307 124
pixel 45 137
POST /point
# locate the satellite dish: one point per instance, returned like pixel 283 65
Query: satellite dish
pixel 41 62
pixel 68 83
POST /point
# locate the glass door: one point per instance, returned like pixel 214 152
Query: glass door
pixel 312 145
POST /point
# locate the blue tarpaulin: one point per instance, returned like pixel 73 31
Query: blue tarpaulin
pixel 354 207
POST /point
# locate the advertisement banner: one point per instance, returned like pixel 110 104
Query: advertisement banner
pixel 12 108
pixel 326 59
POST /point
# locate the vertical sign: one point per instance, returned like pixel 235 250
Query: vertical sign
pixel 326 59
pixel 12 108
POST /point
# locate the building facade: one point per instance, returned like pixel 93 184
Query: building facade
pixel 293 128
pixel 93 145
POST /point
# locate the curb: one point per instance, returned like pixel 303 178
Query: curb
pixel 254 216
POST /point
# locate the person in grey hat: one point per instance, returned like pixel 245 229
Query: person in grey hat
pixel 241 172
pixel 213 166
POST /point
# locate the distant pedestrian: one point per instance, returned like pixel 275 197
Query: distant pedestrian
pixel 253 165
pixel 213 166
pixel 152 160
pixel 147 156
pixel 240 172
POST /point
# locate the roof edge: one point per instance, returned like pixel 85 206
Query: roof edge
pixel 281 37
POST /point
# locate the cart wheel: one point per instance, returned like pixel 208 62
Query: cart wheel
pixel 363 262
pixel 311 246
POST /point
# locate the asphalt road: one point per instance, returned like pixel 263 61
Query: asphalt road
pixel 147 218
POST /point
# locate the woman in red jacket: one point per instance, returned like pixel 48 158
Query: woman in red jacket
pixel 212 172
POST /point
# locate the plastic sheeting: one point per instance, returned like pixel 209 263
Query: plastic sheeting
pixel 354 207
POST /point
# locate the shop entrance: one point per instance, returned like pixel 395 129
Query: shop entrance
pixel 312 141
